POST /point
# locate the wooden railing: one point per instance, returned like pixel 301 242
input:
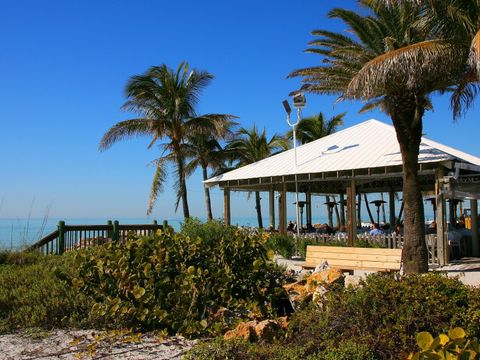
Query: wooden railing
pixel 390 241
pixel 70 237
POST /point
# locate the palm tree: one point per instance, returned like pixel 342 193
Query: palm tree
pixel 165 101
pixel 458 23
pixel 316 127
pixel 393 61
pixel 205 151
pixel 249 146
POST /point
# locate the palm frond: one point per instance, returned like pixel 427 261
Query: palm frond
pixel 157 183
pixel 125 129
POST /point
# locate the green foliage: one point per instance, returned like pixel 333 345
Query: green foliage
pixel 175 282
pixel 455 345
pixel 385 314
pixel 237 349
pixel 20 257
pixel 37 293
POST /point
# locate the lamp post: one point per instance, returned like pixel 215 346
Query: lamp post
pixel 299 102
pixel 378 203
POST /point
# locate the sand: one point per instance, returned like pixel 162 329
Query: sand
pixel 89 344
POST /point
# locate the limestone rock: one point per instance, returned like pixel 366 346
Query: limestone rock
pixel 244 330
pixel 326 277
pixel 353 280
pixel 268 330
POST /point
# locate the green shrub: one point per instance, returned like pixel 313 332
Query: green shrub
pixel 20 257
pixel 174 281
pixel 237 349
pixel 384 315
pixel 39 294
pixel 455 345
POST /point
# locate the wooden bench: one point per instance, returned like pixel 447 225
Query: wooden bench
pixel 353 258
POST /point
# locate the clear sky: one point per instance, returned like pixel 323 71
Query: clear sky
pixel 64 65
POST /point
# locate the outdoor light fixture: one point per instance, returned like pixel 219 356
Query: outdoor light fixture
pixel 299 103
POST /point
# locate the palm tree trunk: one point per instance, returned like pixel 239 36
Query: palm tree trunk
pixel 207 194
pixel 368 208
pixel 259 209
pixel 407 120
pixel 183 187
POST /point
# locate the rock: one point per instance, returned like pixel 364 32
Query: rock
pixel 353 280
pixel 297 294
pixel 326 277
pixel 244 330
pixel 322 266
pixel 319 295
pixel 268 330
pixel 283 322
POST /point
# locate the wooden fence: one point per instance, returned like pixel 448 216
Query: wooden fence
pixel 69 237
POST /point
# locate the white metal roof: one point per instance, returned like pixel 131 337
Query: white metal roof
pixel 370 144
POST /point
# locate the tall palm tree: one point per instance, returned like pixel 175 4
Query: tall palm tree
pixel 205 151
pixel 388 59
pixel 249 146
pixel 316 127
pixel 165 101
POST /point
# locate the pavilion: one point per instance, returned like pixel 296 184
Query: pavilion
pixel 364 158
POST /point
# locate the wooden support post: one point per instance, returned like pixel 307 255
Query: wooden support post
pixel 474 217
pixel 282 213
pixel 61 237
pixel 440 218
pixel 109 232
pixel 391 207
pixel 116 231
pixel 308 199
pixel 351 214
pixel 271 204
pixel 226 207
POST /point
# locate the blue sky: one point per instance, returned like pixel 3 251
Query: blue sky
pixel 64 65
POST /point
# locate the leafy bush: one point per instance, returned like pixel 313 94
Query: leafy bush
pixel 175 282
pixel 377 321
pixel 39 294
pixel 455 345
pixel 385 314
pixel 20 257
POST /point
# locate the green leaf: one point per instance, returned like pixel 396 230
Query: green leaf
pixel 138 292
pixel 204 323
pixel 424 340
pixel 456 333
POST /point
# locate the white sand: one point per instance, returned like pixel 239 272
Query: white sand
pixel 64 344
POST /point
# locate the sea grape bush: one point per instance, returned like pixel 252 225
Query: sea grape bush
pixel 175 282
pixel 455 345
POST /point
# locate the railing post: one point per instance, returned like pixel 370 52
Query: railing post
pixel 116 232
pixel 109 232
pixel 61 237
